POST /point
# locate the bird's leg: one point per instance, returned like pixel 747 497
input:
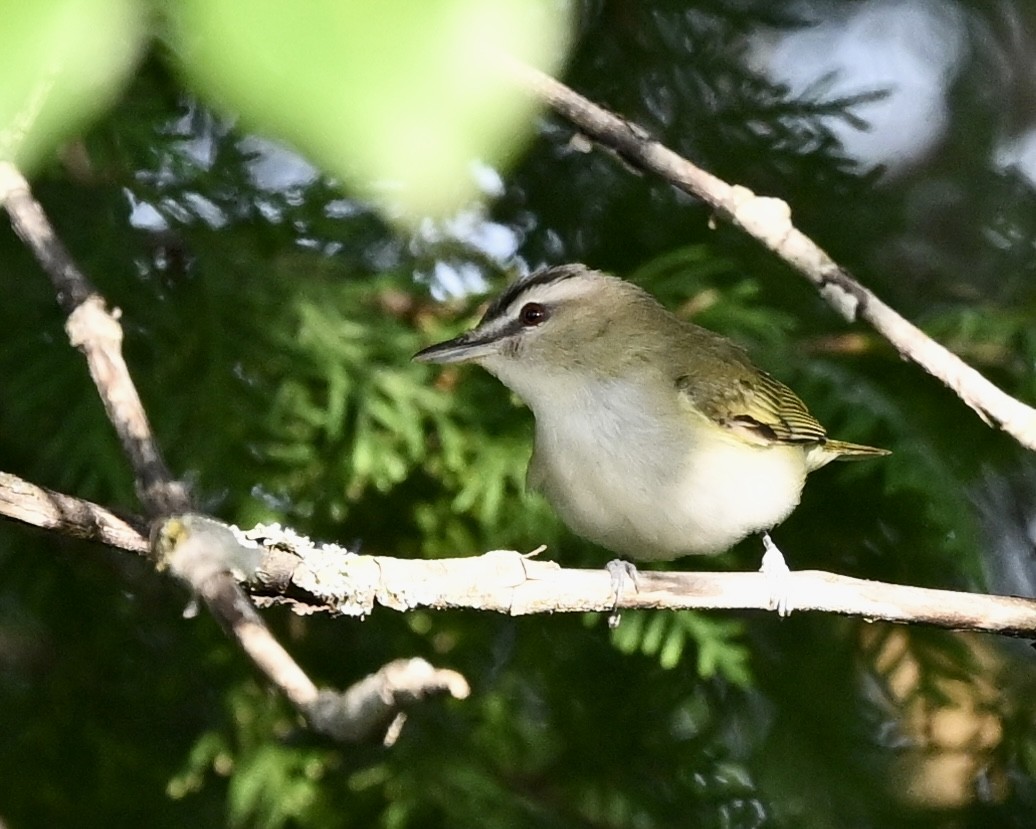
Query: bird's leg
pixel 776 570
pixel 620 570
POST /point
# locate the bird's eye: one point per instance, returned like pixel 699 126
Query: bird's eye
pixel 532 313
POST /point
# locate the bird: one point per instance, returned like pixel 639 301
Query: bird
pixel 655 438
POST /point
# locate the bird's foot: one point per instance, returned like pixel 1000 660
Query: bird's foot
pixel 620 570
pixel 776 570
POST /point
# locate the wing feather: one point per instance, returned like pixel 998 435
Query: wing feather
pixel 726 388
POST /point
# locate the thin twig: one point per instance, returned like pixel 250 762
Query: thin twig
pixel 769 221
pixel 371 704
pixel 68 516
pixel 97 333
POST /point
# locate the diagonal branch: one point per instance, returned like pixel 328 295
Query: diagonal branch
pixel 362 710
pixel 204 553
pixel 199 551
pixel 96 332
pixel 769 221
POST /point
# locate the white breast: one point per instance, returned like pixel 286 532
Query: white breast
pixel 658 486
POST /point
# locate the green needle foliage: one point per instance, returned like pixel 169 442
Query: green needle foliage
pixel 270 316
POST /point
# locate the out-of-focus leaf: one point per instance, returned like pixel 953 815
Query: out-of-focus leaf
pixel 61 63
pixel 396 98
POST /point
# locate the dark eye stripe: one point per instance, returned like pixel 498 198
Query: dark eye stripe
pixel 513 291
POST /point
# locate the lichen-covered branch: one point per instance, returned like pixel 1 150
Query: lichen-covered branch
pixel 201 552
pixel 311 578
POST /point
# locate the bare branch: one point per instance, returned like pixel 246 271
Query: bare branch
pixel 203 559
pixel 313 579
pixel 203 553
pixel 371 704
pixel 330 579
pixel 769 221
pixel 97 333
pixel 68 516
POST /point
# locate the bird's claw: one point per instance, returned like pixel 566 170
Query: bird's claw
pixel 776 570
pixel 620 570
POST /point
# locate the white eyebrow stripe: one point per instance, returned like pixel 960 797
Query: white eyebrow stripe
pixel 518 291
pixel 551 293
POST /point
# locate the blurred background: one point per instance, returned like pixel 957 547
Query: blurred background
pixel 214 173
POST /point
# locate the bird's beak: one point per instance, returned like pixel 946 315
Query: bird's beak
pixel 469 346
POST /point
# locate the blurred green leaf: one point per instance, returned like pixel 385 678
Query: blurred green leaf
pixel 396 98
pixel 62 62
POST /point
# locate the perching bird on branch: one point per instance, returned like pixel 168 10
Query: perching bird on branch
pixel 655 438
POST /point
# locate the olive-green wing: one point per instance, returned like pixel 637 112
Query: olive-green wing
pixel 716 380
pixel 725 387
pixel 760 409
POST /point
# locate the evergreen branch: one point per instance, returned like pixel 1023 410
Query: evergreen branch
pixel 769 221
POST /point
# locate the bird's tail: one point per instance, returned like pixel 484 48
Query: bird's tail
pixel 845 451
pixel 822 454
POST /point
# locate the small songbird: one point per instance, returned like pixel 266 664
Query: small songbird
pixel 655 438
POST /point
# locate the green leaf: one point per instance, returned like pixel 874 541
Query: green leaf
pixel 396 98
pixel 62 64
